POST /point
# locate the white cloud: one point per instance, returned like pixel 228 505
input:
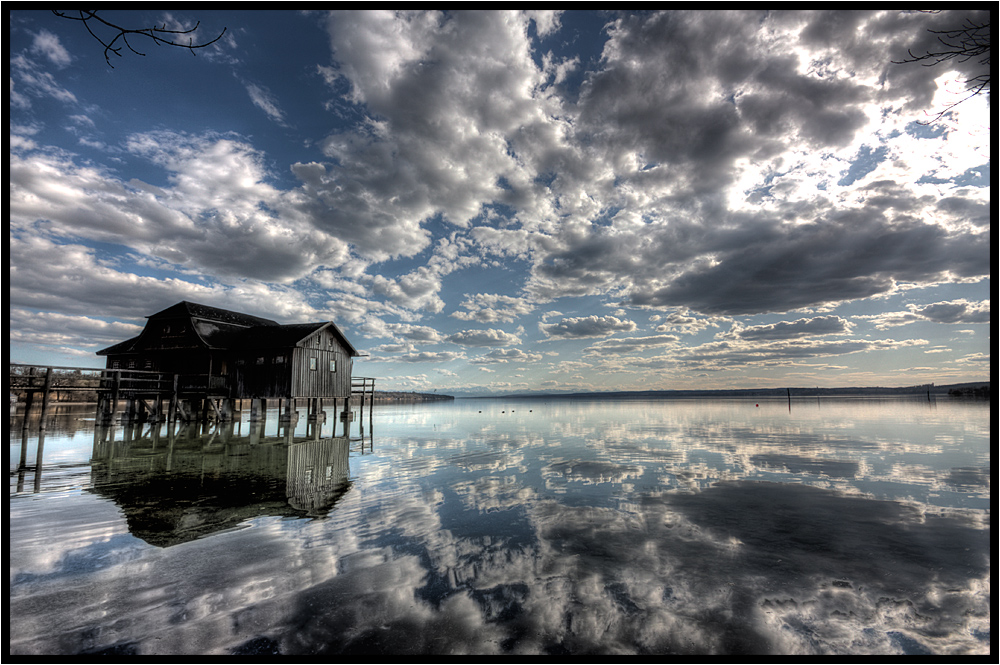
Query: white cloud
pixel 503 356
pixel 817 326
pixel 47 45
pixel 33 82
pixel 487 337
pixel 952 311
pixel 265 101
pixel 586 326
pixel 492 307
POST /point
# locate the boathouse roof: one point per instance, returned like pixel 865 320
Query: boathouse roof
pixel 197 311
pixel 217 328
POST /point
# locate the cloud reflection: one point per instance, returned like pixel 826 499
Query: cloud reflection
pixel 587 536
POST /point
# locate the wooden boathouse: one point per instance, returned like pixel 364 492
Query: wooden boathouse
pixel 201 358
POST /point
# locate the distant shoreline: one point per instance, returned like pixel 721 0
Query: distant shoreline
pixel 970 389
pixel 967 389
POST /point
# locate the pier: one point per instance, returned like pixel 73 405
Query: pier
pixel 130 395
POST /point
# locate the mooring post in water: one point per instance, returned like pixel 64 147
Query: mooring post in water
pixel 789 391
pixel 347 416
pixel 45 399
pixel 38 460
pixel 23 463
pixel 116 387
pixel 172 408
pixel 29 397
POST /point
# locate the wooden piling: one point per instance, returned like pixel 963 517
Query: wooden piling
pixel 45 399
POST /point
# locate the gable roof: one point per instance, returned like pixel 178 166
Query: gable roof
pixel 193 310
pixel 224 329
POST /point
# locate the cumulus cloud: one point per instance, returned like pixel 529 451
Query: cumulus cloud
pixel 680 119
pixel 29 81
pixel 487 337
pixel 707 165
pixel 682 321
pixel 586 326
pixel 434 145
pixel 952 311
pixel 492 308
pixel 421 357
pixel 66 332
pixel 762 264
pixel 728 354
pixel 44 275
pixel 219 198
pixel 817 326
pixel 627 345
pixel 49 46
pixel 502 356
pixel 417 334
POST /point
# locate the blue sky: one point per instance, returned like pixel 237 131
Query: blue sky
pixel 493 202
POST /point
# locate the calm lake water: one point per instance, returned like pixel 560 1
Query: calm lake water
pixel 854 526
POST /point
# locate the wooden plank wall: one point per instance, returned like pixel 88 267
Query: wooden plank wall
pixel 321 382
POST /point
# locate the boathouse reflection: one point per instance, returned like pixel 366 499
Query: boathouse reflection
pixel 202 480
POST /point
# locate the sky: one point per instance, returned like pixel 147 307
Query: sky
pixel 508 202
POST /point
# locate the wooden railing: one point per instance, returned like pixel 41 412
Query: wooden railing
pixel 33 378
pixel 364 385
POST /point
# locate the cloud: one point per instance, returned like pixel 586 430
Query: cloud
pixel 265 101
pixel 586 326
pixel 502 356
pixel 433 145
pixel 66 331
pixel 417 334
pixel 706 165
pixel 951 311
pixel 419 288
pixel 44 275
pixel 818 326
pixel 420 357
pixel 491 308
pixel 628 345
pixel 47 45
pixel 218 197
pixel 34 83
pixel 488 337
pixel 742 354
pixel 416 290
pixel 681 321
pixel 746 119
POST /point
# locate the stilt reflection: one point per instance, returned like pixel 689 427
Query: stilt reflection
pixel 201 479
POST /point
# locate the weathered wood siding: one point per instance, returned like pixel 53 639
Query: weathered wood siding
pixel 312 375
pixel 265 373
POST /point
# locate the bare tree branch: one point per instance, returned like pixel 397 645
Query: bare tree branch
pixel 971 40
pixel 159 35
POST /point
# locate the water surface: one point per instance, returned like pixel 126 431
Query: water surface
pixel 856 526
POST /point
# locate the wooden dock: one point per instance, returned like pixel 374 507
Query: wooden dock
pixel 149 396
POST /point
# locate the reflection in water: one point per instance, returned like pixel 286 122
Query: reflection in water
pixel 687 527
pixel 187 485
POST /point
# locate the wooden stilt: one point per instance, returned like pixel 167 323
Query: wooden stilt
pixel 45 400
